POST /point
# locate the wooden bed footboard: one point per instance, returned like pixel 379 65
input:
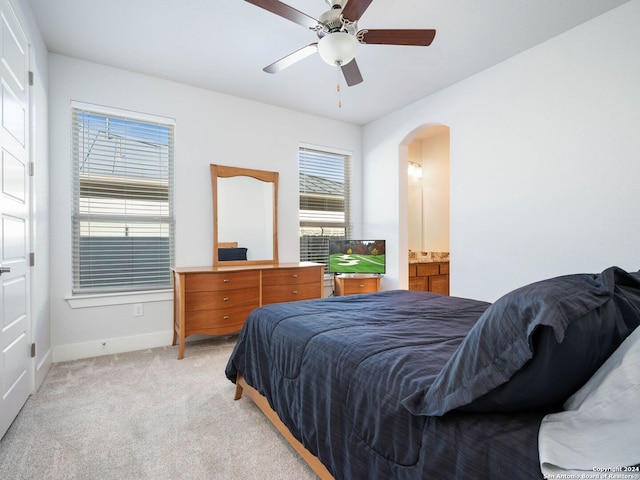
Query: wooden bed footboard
pixel 261 402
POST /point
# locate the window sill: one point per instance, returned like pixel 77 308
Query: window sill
pixel 121 298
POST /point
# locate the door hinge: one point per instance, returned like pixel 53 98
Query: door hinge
pixel 32 259
pixel 31 79
pixel 33 350
pixel 32 169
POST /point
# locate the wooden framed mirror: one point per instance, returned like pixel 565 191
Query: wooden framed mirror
pixel 245 216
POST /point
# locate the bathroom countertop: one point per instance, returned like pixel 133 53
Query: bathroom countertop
pixel 428 257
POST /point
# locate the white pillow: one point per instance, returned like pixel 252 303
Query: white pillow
pixel 599 428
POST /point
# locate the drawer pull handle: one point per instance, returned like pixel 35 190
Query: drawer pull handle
pixel 295 292
pixel 361 286
pixel 226 317
pixel 295 276
pixel 226 280
pixel 225 299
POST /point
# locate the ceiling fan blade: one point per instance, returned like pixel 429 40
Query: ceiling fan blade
pixel 351 73
pixel 355 8
pixel 285 11
pixel 422 38
pixel 292 58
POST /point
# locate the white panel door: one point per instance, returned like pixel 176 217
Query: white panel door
pixel 15 322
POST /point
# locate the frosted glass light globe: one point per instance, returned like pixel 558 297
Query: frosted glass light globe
pixel 338 48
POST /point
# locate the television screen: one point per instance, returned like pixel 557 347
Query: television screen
pixel 357 256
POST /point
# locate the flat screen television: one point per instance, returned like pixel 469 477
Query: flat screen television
pixel 357 256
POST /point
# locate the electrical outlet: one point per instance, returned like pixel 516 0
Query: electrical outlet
pixel 138 309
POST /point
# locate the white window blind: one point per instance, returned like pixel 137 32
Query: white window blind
pixel 123 218
pixel 324 202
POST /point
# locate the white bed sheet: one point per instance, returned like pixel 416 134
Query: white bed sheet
pixel 597 435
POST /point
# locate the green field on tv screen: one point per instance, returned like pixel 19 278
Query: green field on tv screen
pixel 356 263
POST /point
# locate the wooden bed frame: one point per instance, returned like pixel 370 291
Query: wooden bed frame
pixel 261 402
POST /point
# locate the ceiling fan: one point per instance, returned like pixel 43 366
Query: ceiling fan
pixel 339 36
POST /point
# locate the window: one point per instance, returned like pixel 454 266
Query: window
pixel 123 225
pixel 324 202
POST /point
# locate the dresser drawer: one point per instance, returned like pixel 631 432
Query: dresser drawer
pixel 290 293
pixel 360 285
pixel 291 276
pixel 216 322
pixel 208 282
pixel 221 299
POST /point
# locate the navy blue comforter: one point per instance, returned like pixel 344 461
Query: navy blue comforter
pixel 336 371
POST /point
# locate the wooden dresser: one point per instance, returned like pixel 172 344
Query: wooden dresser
pixel 354 284
pixel 429 277
pixel 217 300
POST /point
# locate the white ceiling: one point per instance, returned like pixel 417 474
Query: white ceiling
pixel 222 45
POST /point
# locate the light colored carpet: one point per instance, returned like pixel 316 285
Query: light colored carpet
pixel 146 415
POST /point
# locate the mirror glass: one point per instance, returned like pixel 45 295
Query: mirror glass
pixel 245 216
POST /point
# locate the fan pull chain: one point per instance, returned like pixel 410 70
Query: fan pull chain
pixel 338 89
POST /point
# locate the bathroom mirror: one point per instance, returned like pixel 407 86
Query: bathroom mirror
pixel 245 220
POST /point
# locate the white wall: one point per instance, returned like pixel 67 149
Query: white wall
pixel 544 162
pixel 38 132
pixel 210 128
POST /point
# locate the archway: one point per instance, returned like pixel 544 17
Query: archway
pixel 424 159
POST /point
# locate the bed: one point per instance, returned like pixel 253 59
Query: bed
pixel 410 385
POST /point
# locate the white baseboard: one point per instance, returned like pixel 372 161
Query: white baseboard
pixel 41 369
pixel 62 353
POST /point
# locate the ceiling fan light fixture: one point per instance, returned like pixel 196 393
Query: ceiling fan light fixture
pixel 338 48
